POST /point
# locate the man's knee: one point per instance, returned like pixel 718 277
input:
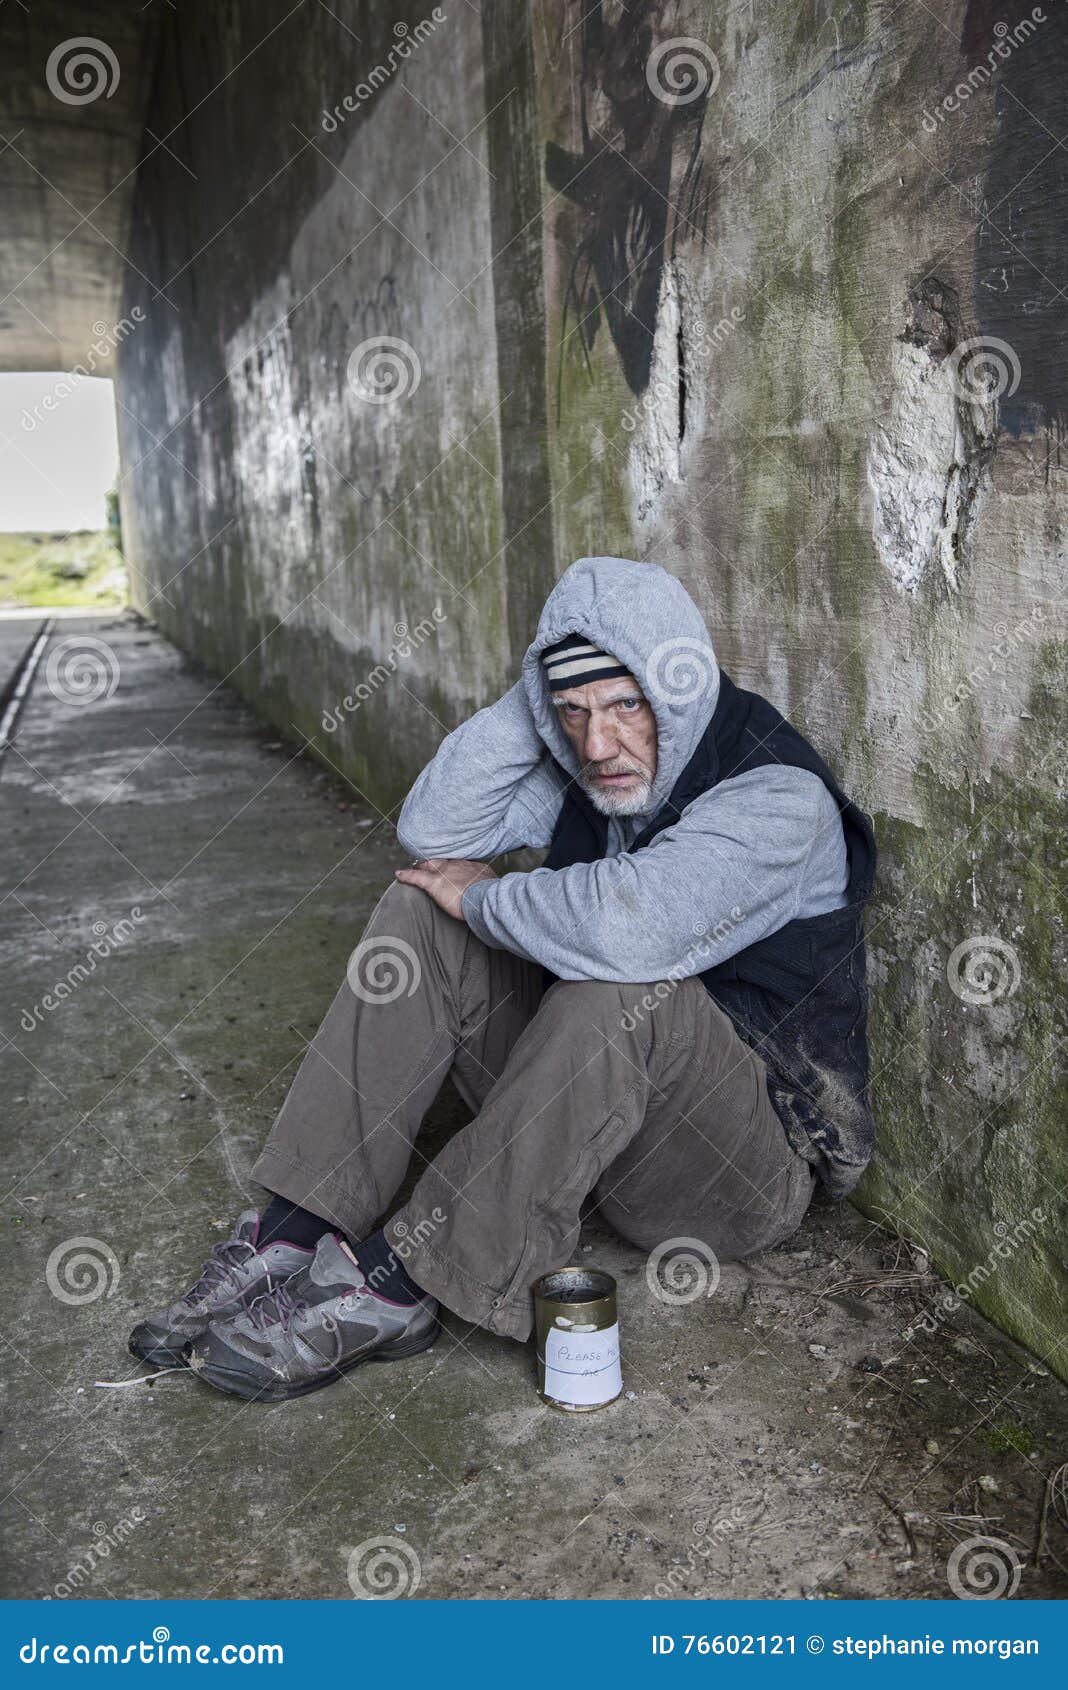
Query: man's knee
pixel 406 903
pixel 399 934
pixel 409 919
pixel 409 911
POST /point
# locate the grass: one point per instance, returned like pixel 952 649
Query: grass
pixel 43 571
pixel 1004 1435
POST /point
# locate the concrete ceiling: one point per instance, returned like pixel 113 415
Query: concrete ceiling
pixel 74 83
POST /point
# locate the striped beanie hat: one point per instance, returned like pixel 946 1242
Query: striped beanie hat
pixel 574 662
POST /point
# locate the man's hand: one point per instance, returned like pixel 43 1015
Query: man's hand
pixel 446 879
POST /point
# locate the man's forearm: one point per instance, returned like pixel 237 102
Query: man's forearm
pixel 744 860
pixel 491 787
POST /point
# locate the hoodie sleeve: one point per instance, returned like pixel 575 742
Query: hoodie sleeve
pixel 744 859
pixel 491 787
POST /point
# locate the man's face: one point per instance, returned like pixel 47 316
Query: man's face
pixel 612 728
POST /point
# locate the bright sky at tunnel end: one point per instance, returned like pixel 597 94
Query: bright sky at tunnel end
pixel 58 451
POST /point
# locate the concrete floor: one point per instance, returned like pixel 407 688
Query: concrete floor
pixel 783 1437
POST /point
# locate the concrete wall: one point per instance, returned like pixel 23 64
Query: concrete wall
pixel 777 317
pixel 72 128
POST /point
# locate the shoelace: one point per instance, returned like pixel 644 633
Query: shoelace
pixel 276 1308
pixel 222 1265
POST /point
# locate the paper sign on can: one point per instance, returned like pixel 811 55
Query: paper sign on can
pixel 582 1367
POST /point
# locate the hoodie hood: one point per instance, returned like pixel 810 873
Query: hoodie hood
pixel 647 619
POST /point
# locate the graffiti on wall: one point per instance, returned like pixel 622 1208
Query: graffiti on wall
pixel 1021 253
pixel 637 183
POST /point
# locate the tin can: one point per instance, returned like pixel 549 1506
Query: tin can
pixel 577 1333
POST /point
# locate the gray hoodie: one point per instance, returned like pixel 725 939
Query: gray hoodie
pixel 746 857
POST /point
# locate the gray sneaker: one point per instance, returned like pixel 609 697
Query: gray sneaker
pixel 234 1273
pixel 321 1322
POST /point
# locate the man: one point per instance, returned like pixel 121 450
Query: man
pixel 667 1017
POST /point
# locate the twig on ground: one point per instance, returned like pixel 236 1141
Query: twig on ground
pixel 961 1526
pixel 1058 1492
pixel 903 1520
pixel 1043 1515
pixel 143 1379
pixel 856 1284
pixel 1055 1496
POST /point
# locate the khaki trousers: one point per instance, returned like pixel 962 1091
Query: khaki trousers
pixel 641 1097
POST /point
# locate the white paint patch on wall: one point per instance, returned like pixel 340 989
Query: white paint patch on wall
pixel 654 452
pixel 917 463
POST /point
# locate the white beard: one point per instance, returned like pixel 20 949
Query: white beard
pixel 611 803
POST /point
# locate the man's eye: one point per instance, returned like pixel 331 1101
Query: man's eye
pixel 631 704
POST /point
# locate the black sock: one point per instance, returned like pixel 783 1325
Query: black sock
pixel 288 1222
pixel 384 1271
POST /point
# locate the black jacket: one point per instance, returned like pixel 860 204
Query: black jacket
pixel 798 996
